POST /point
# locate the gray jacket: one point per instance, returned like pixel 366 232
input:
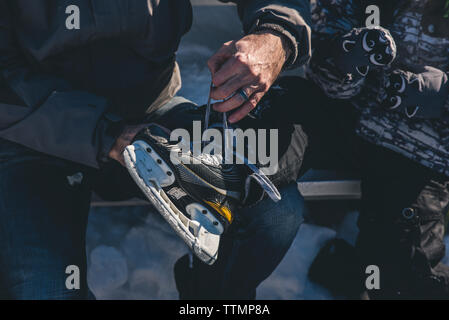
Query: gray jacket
pixel 66 92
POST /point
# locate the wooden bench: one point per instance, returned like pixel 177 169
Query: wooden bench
pixel 314 185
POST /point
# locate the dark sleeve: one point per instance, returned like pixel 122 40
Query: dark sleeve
pixel 50 116
pixel 291 18
pixel 431 92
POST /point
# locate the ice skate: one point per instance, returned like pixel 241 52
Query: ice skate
pixel 197 200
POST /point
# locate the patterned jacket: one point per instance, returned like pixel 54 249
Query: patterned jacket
pixel 420 29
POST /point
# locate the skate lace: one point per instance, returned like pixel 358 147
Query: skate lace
pixel 218 160
pixel 208 111
pixel 215 159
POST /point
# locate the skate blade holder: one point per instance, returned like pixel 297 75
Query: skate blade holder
pixel 202 231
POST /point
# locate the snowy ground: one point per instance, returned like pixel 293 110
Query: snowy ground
pixel 131 251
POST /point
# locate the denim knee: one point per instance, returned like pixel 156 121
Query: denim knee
pixel 285 215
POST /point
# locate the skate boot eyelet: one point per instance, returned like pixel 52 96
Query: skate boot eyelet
pixel 159 161
pixel 204 211
pixel 408 213
pixel 169 173
pixel 215 223
pixel 149 150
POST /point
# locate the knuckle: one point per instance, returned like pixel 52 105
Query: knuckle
pixel 240 59
pixel 264 86
pixel 216 95
pixel 220 93
pixel 253 103
pixel 226 92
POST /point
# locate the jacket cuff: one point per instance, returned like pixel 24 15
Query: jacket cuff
pixel 285 34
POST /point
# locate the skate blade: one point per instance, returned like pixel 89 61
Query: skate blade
pixel 202 231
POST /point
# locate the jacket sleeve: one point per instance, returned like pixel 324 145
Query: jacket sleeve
pixel 47 115
pixel 291 18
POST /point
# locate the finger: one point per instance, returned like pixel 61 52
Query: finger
pixel 242 112
pixel 220 57
pixel 234 65
pixel 117 154
pixel 234 102
pixel 234 84
pixel 228 70
pixel 215 63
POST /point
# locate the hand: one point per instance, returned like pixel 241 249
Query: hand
pixel 421 95
pixel 252 64
pixel 363 48
pixel 124 140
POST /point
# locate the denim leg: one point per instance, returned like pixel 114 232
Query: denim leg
pixel 262 236
pixel 252 249
pixel 43 222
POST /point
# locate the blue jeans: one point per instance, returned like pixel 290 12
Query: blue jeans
pixel 43 220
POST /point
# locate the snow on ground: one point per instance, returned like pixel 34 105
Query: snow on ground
pixel 131 252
